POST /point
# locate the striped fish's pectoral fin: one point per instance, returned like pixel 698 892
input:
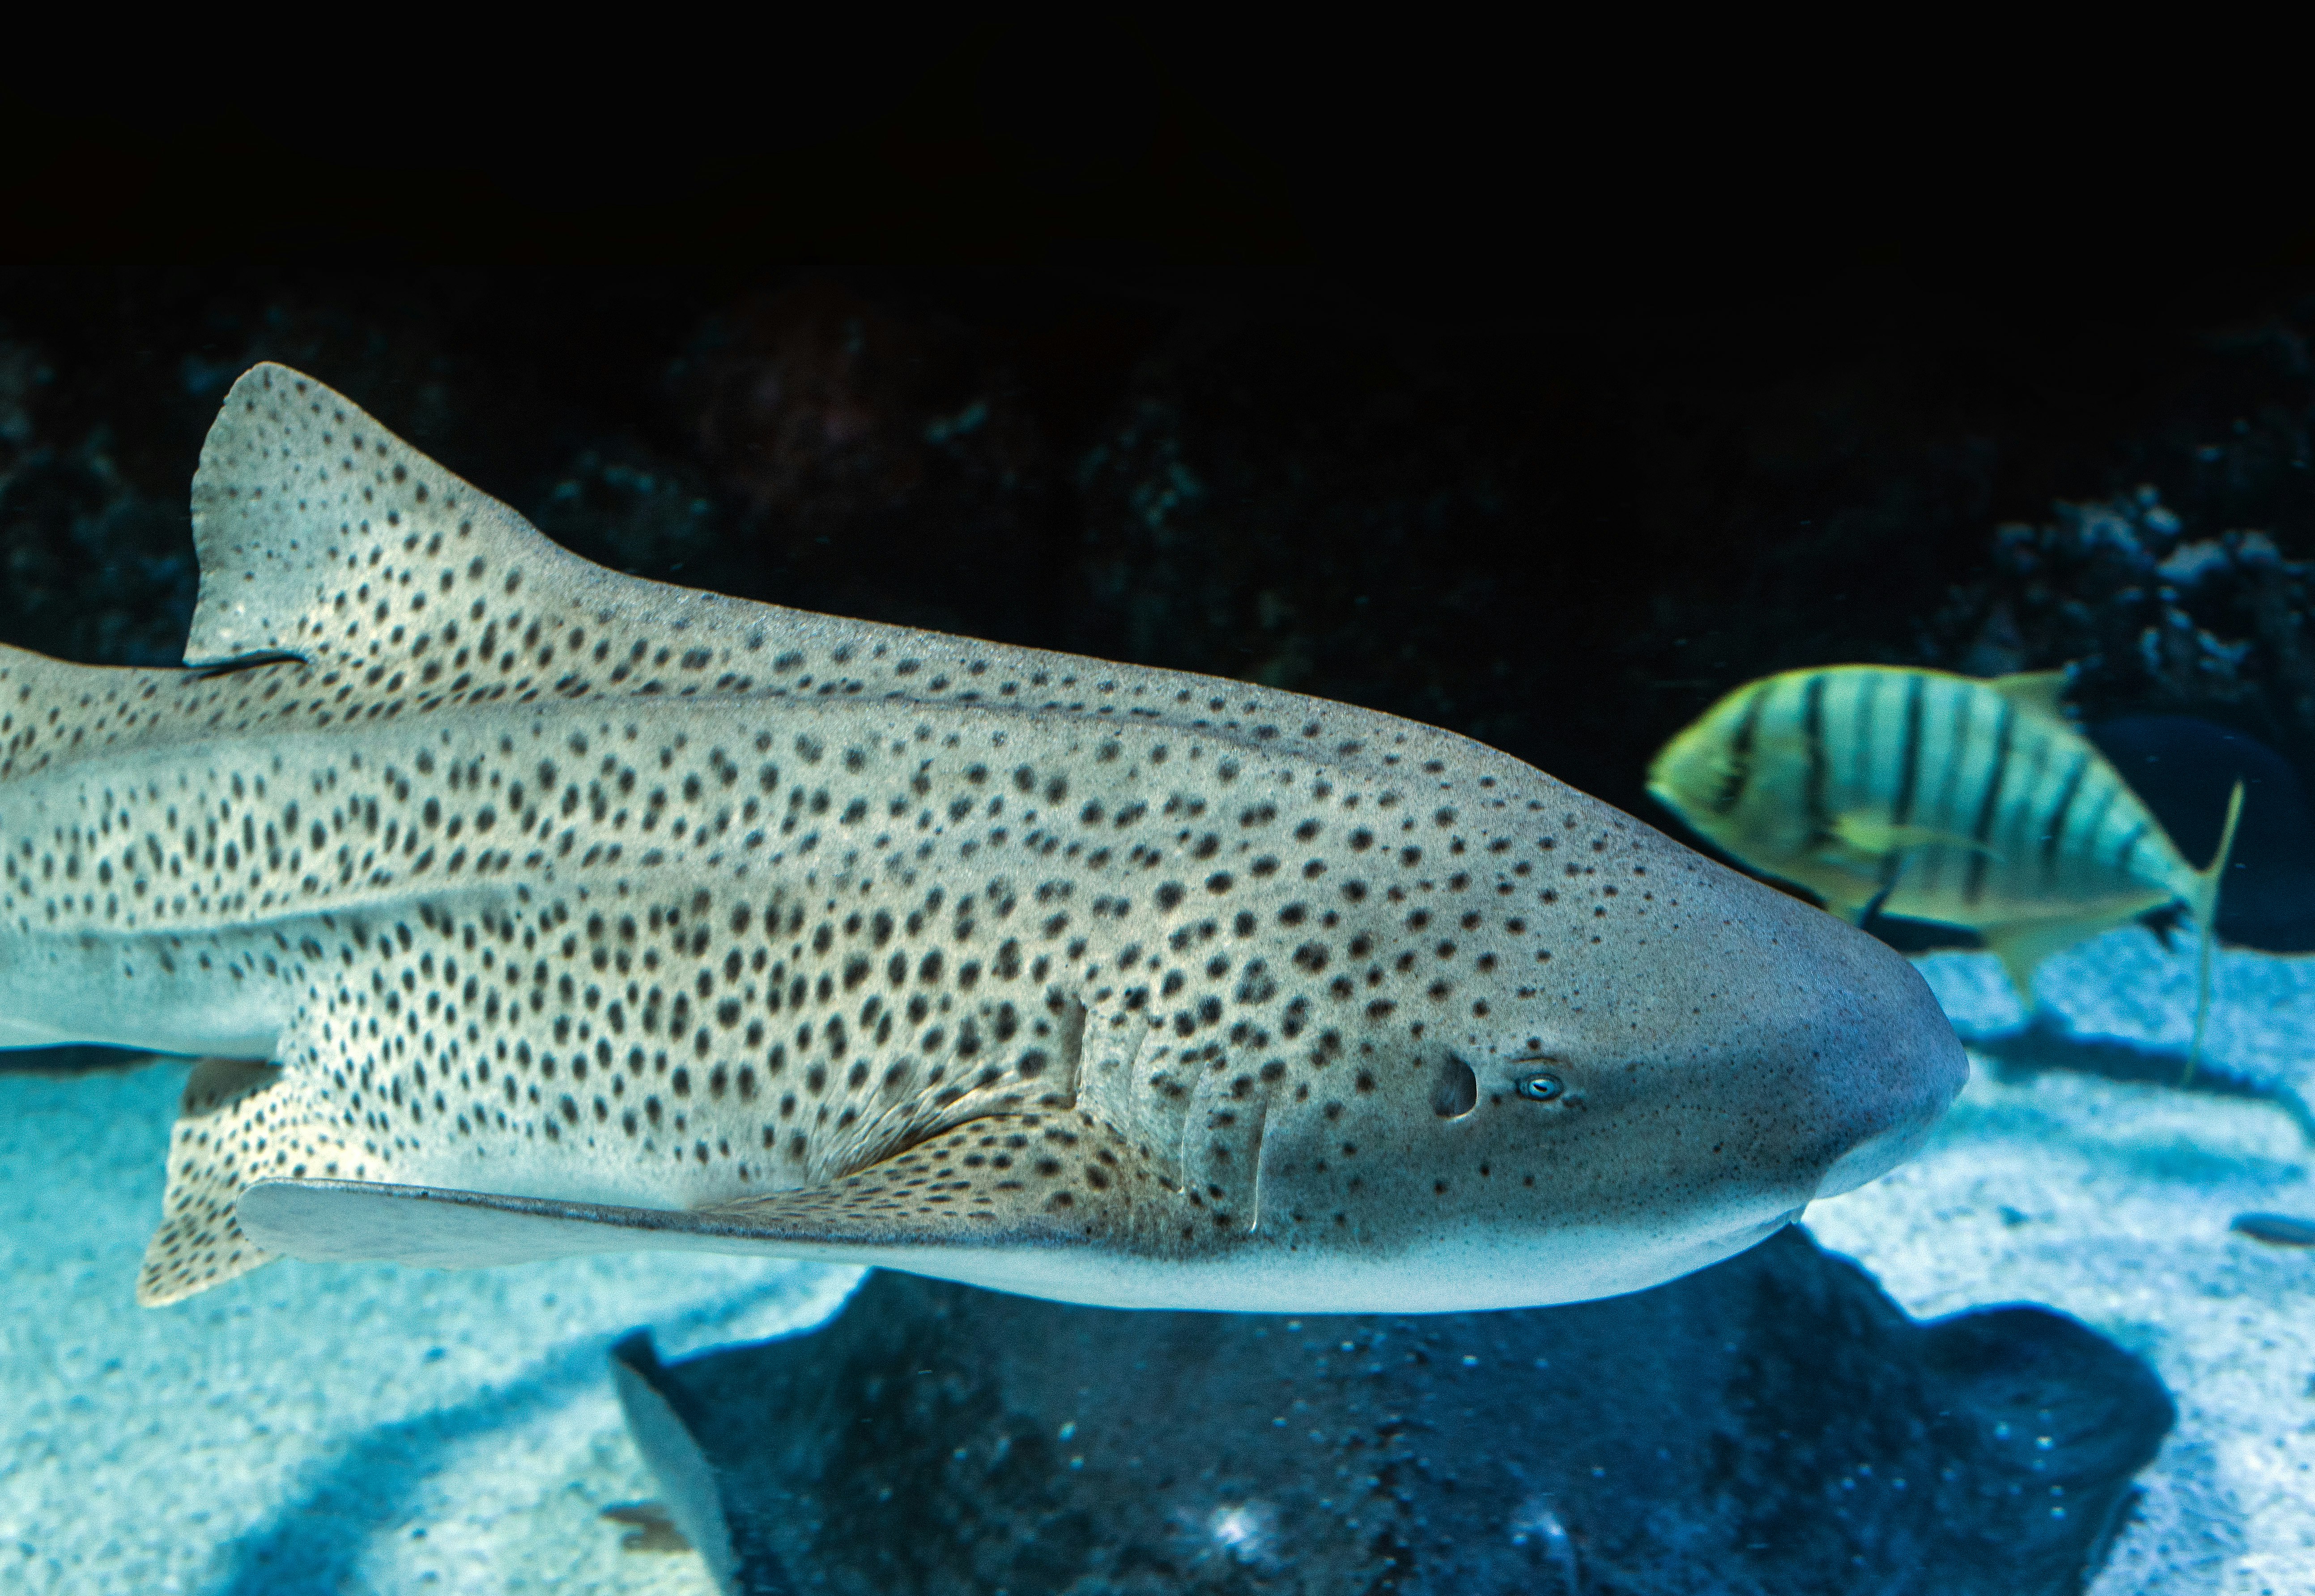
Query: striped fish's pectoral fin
pixel 1873 849
pixel 200 1243
pixel 2038 694
pixel 2021 946
pixel 1874 837
pixel 1861 913
pixel 1037 1179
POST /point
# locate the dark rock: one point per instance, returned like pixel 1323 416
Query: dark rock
pixel 634 510
pixel 880 459
pixel 2152 613
pixel 90 566
pixel 22 373
pixel 2183 766
pixel 1773 1424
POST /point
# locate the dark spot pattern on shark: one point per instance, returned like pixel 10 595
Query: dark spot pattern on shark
pixel 544 885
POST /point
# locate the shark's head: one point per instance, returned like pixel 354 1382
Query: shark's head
pixel 1696 1058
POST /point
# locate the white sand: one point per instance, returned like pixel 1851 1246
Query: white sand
pixel 368 1429
pixel 316 1427
pixel 2111 1201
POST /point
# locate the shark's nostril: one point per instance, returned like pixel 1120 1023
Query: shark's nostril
pixel 1456 1092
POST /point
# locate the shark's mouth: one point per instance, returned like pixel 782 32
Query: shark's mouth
pixel 1875 1157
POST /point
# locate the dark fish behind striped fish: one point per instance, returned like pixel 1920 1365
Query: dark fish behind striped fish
pixel 1935 797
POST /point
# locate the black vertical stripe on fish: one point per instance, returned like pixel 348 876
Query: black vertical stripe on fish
pixel 1957 753
pixel 1909 765
pixel 1890 864
pixel 2050 838
pixel 1740 754
pixel 1812 796
pixel 2097 818
pixel 2129 847
pixel 1861 733
pixel 1982 833
pixel 1930 858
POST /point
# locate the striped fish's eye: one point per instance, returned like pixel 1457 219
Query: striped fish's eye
pixel 1541 1085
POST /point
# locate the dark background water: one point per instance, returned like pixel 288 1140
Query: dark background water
pixel 1416 372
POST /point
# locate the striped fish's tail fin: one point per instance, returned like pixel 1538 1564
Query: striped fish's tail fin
pixel 2205 906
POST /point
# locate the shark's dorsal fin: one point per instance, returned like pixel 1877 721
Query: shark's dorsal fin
pixel 324 538
pixel 321 535
pixel 2038 694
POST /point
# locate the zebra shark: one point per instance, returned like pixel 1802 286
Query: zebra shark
pixel 518 908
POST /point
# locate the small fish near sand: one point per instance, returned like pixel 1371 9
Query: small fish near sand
pixel 518 908
pixel 2275 1230
pixel 1930 796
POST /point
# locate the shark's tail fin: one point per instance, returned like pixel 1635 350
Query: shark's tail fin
pixel 2204 904
pixel 216 1150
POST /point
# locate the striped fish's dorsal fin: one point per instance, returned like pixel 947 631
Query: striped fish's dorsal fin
pixel 2040 693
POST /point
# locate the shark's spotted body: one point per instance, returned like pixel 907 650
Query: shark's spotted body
pixel 579 911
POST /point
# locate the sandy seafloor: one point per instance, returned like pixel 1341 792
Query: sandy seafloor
pixel 2111 1201
pixel 317 1428
pixel 355 1429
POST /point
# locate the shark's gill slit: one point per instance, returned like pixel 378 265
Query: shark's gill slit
pixel 1070 1044
pixel 1456 1092
pixel 1253 1148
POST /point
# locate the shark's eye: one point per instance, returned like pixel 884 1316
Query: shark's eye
pixel 1542 1086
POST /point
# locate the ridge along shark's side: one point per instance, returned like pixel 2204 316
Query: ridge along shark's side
pixel 518 908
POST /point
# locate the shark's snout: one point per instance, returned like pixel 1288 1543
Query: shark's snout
pixel 1816 1056
pixel 1889 1066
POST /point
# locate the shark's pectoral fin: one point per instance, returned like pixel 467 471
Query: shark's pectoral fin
pixel 200 1244
pixel 1005 1180
pixel 435 1227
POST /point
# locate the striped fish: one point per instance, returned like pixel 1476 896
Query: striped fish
pixel 1936 797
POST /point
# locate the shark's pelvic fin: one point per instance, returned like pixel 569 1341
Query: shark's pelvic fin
pixel 200 1243
pixel 1007 1180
